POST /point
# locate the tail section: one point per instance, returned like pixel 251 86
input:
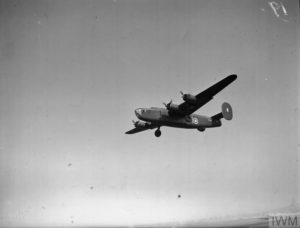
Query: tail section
pixel 226 112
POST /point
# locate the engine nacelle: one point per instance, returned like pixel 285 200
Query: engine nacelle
pixel 173 108
pixel 140 124
pixel 189 98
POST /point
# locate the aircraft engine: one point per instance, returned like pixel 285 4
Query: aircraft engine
pixel 173 108
pixel 189 98
pixel 140 124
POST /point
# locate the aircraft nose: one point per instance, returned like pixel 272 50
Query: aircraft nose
pixel 138 112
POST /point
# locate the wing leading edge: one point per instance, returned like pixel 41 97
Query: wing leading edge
pixel 141 128
pixel 136 130
pixel 205 96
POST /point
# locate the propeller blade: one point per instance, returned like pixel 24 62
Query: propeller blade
pixel 168 104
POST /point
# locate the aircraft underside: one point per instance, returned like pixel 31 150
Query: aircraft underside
pixel 181 115
pixel 193 122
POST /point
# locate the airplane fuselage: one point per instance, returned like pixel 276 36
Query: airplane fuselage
pixel 181 115
pixel 161 117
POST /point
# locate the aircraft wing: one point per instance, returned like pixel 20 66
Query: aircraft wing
pixel 205 96
pixel 137 129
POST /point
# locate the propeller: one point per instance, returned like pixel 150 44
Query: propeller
pixel 140 124
pixel 168 104
pixel 135 122
pixel 183 95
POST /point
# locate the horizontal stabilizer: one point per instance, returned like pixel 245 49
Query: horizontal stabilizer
pixel 217 116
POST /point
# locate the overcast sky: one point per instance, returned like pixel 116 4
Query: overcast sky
pixel 72 73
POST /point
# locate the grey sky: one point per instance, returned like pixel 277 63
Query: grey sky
pixel 72 73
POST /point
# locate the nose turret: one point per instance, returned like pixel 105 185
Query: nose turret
pixel 138 112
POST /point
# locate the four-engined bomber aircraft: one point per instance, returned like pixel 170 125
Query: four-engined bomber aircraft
pixel 181 116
